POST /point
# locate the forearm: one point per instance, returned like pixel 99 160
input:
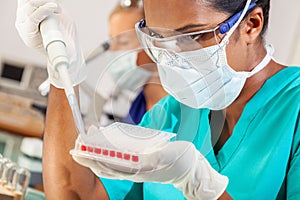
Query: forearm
pixel 64 178
pixel 225 196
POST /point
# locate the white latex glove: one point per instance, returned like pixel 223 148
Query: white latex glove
pixel 178 163
pixel 30 13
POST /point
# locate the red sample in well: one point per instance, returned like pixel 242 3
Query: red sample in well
pixel 83 148
pixel 112 153
pixel 97 150
pixel 90 149
pixel 135 158
pixel 105 152
pixel 119 155
pixel 126 156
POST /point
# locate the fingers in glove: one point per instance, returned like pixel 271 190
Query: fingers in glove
pixel 98 168
pixel 176 158
pixel 42 11
pixel 35 9
pixel 175 151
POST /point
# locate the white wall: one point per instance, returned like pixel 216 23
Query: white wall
pixel 295 57
pixel 91 20
pixel 284 30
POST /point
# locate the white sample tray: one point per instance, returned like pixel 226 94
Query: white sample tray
pixel 121 146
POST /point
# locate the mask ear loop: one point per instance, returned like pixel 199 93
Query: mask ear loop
pixel 264 62
pixel 217 38
pixel 220 49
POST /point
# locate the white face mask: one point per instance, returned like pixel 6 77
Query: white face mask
pixel 213 85
pixel 124 71
pixel 203 78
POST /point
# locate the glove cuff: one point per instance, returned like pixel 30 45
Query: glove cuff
pixel 58 84
pixel 202 181
pixel 77 76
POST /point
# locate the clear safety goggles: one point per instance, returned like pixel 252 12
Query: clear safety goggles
pixel 156 40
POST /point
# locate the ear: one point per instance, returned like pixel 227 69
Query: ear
pixel 253 25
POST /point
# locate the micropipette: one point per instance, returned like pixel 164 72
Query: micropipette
pixel 56 50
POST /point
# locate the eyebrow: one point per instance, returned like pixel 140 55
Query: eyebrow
pixel 190 26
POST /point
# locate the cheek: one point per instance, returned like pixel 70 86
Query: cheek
pixel 236 55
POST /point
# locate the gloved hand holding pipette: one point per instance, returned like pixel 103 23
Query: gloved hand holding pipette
pixel 29 31
pixel 49 28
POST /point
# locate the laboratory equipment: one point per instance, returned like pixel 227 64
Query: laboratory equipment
pixel 97 51
pixel 22 78
pixel 21 181
pixel 122 145
pixel 15 75
pixel 3 162
pixel 32 147
pixel 13 180
pixel 19 98
pixel 18 116
pixel 56 49
pixel 8 173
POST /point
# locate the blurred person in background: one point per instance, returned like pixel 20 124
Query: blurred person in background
pixel 136 86
pixel 132 71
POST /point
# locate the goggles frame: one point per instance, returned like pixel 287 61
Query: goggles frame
pixel 151 36
pixel 223 27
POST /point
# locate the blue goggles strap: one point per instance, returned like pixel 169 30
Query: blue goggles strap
pixel 142 23
pixel 226 26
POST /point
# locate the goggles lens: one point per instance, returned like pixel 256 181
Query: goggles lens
pixel 155 40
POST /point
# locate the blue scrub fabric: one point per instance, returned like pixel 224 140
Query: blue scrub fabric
pixel 261 158
pixel 137 110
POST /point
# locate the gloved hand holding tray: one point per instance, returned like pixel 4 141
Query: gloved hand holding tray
pixel 121 146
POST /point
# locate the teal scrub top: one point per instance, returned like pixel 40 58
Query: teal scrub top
pixel 261 158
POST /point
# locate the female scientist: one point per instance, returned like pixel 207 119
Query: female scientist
pixel 237 108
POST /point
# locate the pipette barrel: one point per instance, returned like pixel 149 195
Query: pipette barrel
pixel 57 56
